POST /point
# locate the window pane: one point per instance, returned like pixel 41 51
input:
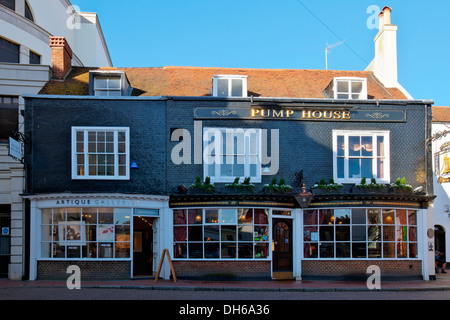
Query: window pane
pixel 180 250
pixel 9 116
pixel 340 168
pixel 236 88
pixel 342 233
pixel 359 233
pixel 195 233
pixel 388 216
pixel 261 216
pixel 212 250
pixel 228 250
pixel 343 250
pixel 366 168
pixel 310 250
pixel 326 250
pixel 261 250
pixel 229 216
pixel 179 217
pixel 211 233
pixel 101 83
pixel 354 146
pixel 195 250
pixel 326 233
pixel 400 217
pixel 310 233
pixel 11 4
pixel 366 146
pixel 380 146
pixel 342 86
pixel 9 52
pixel 114 83
pixel 340 146
pixel 342 216
pixel 228 233
pixel 388 233
pixel 354 169
pixel 222 87
pixel 245 251
pixel 373 216
pixel 195 216
pixel 388 250
pixel 412 217
pixel 212 216
pixel 358 216
pixel 326 216
pixel 374 250
pixel 356 86
pixel 359 250
pixel 245 216
pixel 245 233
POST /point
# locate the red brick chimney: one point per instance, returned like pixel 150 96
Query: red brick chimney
pixel 61 57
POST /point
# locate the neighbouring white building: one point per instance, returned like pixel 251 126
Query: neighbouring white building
pixel 29 31
pixel 441 179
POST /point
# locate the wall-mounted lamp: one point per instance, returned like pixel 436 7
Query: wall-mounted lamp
pixel 304 198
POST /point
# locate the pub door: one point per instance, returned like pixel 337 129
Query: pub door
pixel 282 265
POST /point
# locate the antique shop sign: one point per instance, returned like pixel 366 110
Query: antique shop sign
pixel 302 114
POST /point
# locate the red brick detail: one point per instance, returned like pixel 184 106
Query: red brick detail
pixel 61 57
pixel 338 268
pixel 90 270
pixel 240 269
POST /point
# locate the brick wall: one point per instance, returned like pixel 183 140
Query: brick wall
pixel 90 270
pixel 222 269
pixel 358 268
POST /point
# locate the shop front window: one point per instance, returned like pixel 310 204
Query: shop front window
pixel 86 233
pixel 221 233
pixel 360 233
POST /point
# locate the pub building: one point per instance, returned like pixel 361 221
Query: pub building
pixel 238 173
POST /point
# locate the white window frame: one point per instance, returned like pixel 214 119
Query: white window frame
pixel 216 158
pixel 107 89
pixel 368 133
pixel 116 175
pixel 350 81
pixel 229 78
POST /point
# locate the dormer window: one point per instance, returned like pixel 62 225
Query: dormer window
pixel 229 86
pixel 109 83
pixel 107 86
pixel 351 88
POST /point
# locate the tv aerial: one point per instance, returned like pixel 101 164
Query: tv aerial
pixel 327 49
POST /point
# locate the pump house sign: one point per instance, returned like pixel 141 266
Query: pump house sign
pixel 442 163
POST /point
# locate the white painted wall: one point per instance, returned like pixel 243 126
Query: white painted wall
pixel 57 18
pixel 441 190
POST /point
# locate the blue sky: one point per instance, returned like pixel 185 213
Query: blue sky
pixel 290 34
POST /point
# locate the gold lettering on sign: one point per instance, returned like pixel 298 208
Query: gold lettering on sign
pixel 305 114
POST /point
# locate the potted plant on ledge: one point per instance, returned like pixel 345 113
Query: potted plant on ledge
pixel 202 188
pixel 401 187
pixel 327 188
pixel 372 187
pixel 241 188
pixel 280 188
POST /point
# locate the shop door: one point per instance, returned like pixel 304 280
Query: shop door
pixel 143 246
pixel 282 248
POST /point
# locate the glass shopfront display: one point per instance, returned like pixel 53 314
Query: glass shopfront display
pixel 360 233
pixel 86 233
pixel 221 233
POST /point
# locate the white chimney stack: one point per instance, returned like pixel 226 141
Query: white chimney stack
pixel 385 62
pixel 384 65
